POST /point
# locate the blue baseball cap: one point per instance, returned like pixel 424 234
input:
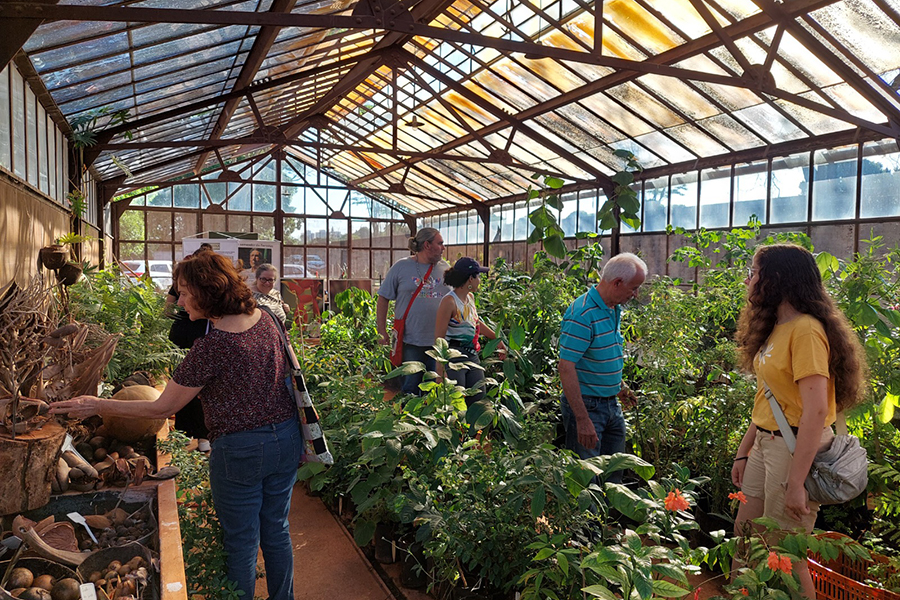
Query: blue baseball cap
pixel 468 266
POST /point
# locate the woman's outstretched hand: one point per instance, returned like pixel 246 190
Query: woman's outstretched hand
pixel 79 407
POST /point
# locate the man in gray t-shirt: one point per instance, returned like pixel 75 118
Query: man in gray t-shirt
pixel 400 284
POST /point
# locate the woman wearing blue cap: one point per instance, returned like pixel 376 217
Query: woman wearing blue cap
pixel 457 322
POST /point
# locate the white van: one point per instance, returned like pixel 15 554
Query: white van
pixel 160 271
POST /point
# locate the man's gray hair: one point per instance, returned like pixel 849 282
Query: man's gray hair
pixel 426 234
pixel 623 266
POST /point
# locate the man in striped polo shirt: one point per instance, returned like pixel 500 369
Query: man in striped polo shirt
pixel 591 359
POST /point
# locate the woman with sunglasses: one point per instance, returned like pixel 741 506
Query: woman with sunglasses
pixel 265 294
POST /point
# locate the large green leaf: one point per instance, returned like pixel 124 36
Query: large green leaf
pixel 555 247
pixel 554 200
pixel 886 408
pixel 667 589
pixel 363 533
pixel 607 222
pixel 517 337
pixel 623 178
pixel 599 591
pixel 629 203
pixel 626 502
pixel 536 235
pixel 538 502
pixel 554 182
pixel 541 217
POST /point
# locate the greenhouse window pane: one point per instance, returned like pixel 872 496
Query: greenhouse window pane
pixel 520 227
pixel 263 197
pixel 185 225
pixel 656 204
pixel 568 217
pixel 239 196
pixel 750 185
pixel 264 226
pixel 337 232
pixel 317 232
pixel 834 183
pixel 5 139
pixel 18 123
pixel 159 226
pixel 161 197
pixel 238 223
pixel 790 188
pixel 315 205
pixel 880 180
pixel 186 196
pixel 684 200
pixel 715 197
pixel 31 135
pixel 294 230
pixel 360 233
pixel 587 211
pixel 506 223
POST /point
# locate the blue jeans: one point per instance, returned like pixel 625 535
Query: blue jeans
pixel 416 353
pixel 609 423
pixel 252 474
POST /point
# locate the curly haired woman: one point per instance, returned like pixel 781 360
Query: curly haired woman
pixel 798 342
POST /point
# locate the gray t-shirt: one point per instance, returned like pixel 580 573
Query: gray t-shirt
pixel 401 282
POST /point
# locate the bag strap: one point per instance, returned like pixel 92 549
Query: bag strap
pixel 840 423
pixel 279 326
pixel 786 432
pixel 416 293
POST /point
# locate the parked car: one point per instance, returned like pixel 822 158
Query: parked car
pixel 315 263
pixel 159 271
pixel 293 271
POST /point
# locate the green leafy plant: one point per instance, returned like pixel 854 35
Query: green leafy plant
pixel 624 204
pixel 135 310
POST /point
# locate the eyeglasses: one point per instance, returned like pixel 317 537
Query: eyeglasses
pixel 267 279
pixel 750 272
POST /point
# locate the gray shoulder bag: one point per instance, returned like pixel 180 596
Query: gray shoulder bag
pixel 839 473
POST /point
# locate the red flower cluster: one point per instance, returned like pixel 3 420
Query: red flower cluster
pixel 739 496
pixel 780 563
pixel 744 592
pixel 675 501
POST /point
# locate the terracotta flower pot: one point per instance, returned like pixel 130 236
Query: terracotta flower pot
pixel 54 256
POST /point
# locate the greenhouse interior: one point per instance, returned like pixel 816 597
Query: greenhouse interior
pixel 566 299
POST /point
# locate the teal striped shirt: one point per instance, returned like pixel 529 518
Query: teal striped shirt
pixel 591 339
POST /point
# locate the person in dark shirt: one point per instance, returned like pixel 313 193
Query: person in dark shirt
pixel 251 416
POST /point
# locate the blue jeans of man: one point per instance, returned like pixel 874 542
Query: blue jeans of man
pixel 252 474
pixel 416 353
pixel 609 423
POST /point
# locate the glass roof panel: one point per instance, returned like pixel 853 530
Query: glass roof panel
pixel 696 140
pixel 58 33
pixel 816 122
pixel 80 52
pixel 229 37
pixel 81 72
pixel 81 90
pixel 769 123
pixel 667 149
pixel 681 95
pixel 599 129
pixel 862 27
pixel 217 69
pixel 648 31
pixel 645 105
pixel 852 101
pixel 731 133
pixel 683 15
pixel 792 51
pixel 613 112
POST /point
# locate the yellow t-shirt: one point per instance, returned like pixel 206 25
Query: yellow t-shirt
pixel 794 350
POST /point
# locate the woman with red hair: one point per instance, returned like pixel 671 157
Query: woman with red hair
pixel 250 412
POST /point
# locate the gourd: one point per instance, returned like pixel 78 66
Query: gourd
pixel 134 429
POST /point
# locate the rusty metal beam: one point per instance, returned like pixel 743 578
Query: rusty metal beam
pixel 258 52
pixel 17 28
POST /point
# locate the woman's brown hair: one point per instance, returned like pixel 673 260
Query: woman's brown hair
pixel 217 287
pixel 788 273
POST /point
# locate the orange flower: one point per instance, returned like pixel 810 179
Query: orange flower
pixel 744 592
pixel 786 565
pixel 739 496
pixel 780 563
pixel 675 501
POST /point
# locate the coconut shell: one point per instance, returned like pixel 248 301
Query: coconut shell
pixel 132 430
pixel 60 536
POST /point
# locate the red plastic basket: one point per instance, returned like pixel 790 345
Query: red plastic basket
pixel 840 579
